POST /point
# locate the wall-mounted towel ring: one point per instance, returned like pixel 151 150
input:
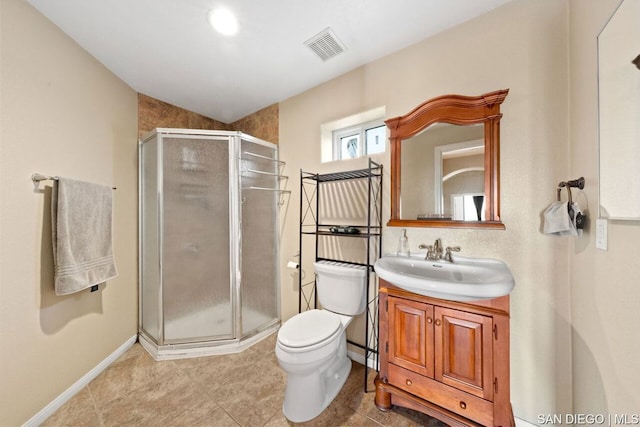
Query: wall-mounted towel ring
pixel 580 218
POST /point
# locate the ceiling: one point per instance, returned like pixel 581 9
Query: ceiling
pixel 167 50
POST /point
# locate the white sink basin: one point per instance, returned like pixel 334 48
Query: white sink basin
pixel 465 279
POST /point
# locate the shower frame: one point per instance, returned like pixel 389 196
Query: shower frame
pixel 160 347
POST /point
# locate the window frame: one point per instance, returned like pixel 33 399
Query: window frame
pixel 359 130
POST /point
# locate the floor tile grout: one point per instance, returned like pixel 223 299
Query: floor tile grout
pixel 95 406
pixel 242 389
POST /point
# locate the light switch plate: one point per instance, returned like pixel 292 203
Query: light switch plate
pixel 601 234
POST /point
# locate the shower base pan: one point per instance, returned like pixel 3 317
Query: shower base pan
pixel 204 348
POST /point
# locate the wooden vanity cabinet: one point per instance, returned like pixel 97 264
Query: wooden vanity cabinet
pixel 444 358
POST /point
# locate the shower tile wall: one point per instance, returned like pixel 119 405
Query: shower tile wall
pixel 262 124
pixel 153 113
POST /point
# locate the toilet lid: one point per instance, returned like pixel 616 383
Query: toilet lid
pixel 308 328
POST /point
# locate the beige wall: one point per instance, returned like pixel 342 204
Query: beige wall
pixel 521 46
pixel 605 295
pixel 62 113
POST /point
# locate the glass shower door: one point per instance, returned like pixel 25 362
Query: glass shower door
pixel 196 290
pixel 259 184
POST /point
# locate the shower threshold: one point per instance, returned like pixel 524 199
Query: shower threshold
pixel 204 348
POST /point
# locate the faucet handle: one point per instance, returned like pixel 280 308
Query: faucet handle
pixel 449 249
pixel 430 251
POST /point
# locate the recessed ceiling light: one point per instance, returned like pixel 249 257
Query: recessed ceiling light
pixel 223 21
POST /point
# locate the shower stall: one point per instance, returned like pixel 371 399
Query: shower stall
pixel 209 240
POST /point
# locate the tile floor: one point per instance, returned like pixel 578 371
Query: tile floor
pixel 244 389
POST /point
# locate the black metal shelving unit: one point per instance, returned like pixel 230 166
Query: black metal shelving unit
pixel 369 229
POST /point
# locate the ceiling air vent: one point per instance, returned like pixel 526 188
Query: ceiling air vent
pixel 325 44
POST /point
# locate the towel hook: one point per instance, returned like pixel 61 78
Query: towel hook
pixel 568 193
pixel 576 183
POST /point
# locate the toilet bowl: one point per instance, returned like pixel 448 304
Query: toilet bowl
pixel 316 371
pixel 312 346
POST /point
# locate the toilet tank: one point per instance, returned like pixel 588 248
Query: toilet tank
pixel 341 287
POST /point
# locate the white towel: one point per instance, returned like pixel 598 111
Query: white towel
pixel 558 222
pixel 81 215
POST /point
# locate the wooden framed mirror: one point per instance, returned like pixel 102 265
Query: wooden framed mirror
pixel 447 124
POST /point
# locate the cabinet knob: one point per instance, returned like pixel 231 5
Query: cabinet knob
pixel 438 322
pixel 409 382
pixel 429 320
pixel 463 405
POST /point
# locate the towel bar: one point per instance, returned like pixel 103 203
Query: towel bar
pixel 260 156
pixel 37 177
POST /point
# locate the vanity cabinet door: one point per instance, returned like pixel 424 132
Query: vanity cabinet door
pixel 464 351
pixel 411 335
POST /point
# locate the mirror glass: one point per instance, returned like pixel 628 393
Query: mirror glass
pixel 445 163
pixel 443 174
pixel 619 113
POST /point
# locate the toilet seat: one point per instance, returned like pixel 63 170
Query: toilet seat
pixel 308 328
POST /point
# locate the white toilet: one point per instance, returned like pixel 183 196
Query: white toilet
pixel 312 346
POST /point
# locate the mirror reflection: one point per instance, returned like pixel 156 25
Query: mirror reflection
pixel 443 174
pixel 445 163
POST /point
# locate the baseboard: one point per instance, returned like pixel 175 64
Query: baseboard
pixel 52 407
pixel 357 357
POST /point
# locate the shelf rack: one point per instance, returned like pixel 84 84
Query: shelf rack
pixel 368 228
pixel 263 177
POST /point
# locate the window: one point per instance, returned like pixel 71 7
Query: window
pixel 360 134
pixel 376 138
pixel 360 140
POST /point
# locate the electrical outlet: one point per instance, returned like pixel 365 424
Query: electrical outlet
pixel 601 234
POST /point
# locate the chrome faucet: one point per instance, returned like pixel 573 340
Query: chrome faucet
pixel 437 248
pixel 447 256
pixel 429 249
pixel 434 252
